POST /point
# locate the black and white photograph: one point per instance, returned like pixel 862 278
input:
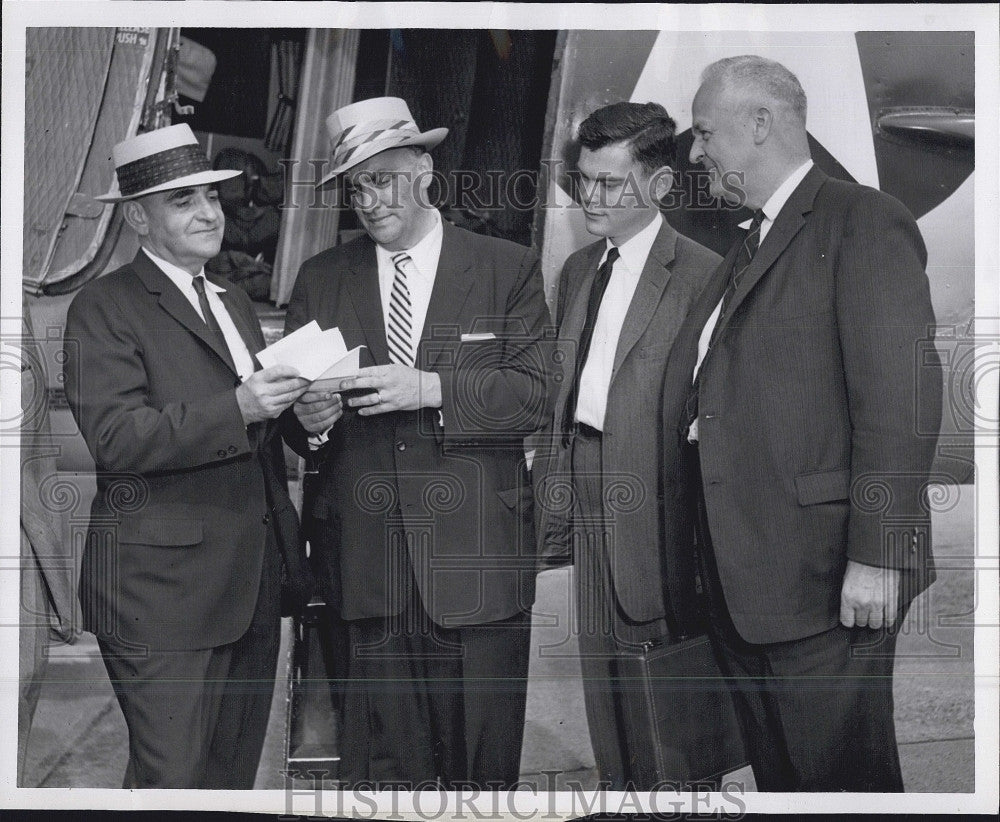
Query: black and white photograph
pixel 416 410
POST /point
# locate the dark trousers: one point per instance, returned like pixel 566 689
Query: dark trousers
pixel 196 719
pixel 427 705
pixel 816 714
pixel 617 716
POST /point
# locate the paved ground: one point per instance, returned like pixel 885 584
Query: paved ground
pixel 79 736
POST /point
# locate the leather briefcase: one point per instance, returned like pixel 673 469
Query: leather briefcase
pixel 688 710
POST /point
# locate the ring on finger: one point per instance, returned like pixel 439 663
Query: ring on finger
pixel 378 398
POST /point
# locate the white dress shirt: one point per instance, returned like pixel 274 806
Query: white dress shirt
pixel 772 208
pixel 185 282
pixel 595 377
pixel 420 273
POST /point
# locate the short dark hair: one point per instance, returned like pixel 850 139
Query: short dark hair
pixel 646 127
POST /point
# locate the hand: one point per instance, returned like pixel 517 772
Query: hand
pixel 317 411
pixel 267 393
pixel 868 596
pixel 394 388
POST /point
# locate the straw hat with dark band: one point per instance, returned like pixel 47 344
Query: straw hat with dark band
pixel 366 128
pixel 161 160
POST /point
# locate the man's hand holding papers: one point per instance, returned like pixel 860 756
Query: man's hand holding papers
pixel 322 358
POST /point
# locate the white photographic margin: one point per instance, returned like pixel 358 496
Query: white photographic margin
pixel 982 19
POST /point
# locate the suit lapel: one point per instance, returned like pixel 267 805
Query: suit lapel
pixel 789 222
pixel 177 306
pixel 366 298
pixel 648 293
pixel 452 283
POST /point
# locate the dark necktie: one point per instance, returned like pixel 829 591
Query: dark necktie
pixel 751 241
pixel 206 310
pixel 597 289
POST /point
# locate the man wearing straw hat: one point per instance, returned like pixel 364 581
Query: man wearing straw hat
pixel 423 491
pixel 182 569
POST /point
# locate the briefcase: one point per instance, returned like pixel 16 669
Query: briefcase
pixel 688 710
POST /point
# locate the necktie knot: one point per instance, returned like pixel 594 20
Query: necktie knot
pixel 199 284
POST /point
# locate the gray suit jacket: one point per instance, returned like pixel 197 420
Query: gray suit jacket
pixel 461 487
pixel 819 406
pixel 186 491
pixel 676 271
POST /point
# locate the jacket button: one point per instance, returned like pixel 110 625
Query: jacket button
pixel 222 452
pixel 232 449
pixel 266 519
pixel 400 445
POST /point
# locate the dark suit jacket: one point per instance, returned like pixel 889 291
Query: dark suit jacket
pixel 182 512
pixel 809 404
pixel 644 566
pixel 461 490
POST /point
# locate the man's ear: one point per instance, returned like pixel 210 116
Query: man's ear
pixel 762 120
pixel 424 171
pixel 662 181
pixel 135 215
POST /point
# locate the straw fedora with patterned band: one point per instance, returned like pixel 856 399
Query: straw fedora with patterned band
pixel 369 127
pixel 161 160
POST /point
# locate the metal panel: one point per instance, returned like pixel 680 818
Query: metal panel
pixel 66 71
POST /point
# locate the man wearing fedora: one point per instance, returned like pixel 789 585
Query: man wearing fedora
pixel 423 492
pixel 181 574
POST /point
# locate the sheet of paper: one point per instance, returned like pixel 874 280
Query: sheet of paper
pixel 330 379
pixel 308 350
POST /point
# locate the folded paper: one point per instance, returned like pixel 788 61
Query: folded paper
pixel 315 354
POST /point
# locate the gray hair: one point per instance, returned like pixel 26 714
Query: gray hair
pixel 767 77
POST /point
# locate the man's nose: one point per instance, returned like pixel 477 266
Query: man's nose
pixel 366 199
pixel 208 209
pixel 697 153
pixel 589 191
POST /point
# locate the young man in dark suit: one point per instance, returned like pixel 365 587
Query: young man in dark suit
pixel 192 521
pixel 424 510
pixel 805 378
pixel 621 302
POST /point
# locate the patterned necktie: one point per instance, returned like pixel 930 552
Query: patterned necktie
pixel 597 289
pixel 743 257
pixel 740 264
pixel 399 328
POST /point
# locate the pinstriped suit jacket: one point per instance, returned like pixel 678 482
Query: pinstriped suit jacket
pixel 643 564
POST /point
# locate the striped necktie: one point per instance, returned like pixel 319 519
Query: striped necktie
pixel 399 326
